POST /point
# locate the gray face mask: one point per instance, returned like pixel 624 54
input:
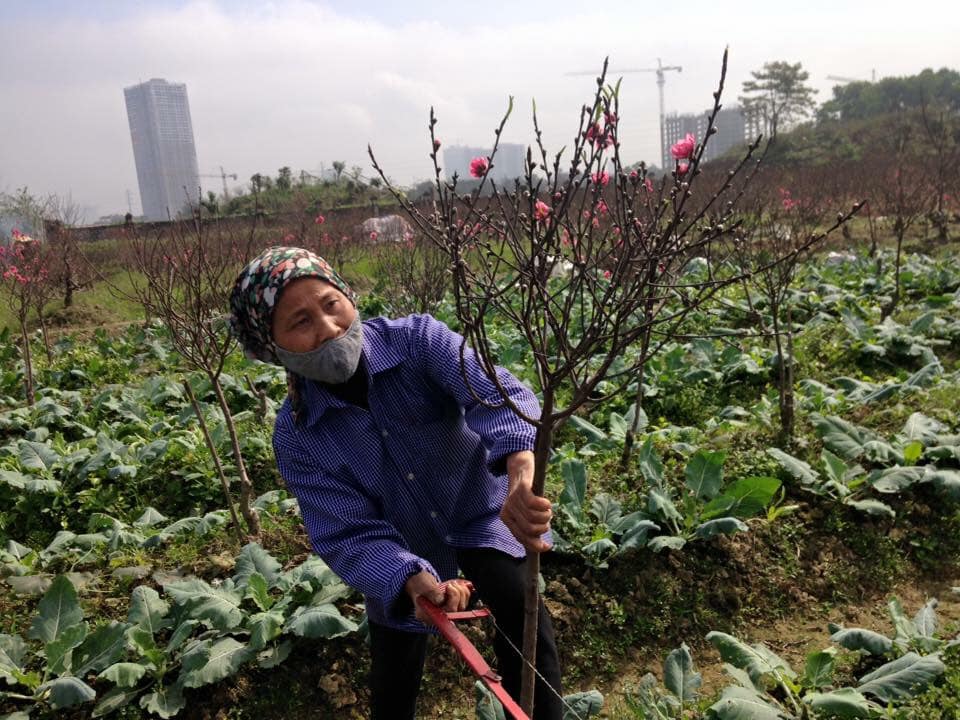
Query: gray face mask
pixel 334 362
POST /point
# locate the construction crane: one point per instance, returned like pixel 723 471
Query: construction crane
pixel 660 69
pixel 223 176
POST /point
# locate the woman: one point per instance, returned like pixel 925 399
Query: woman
pixel 404 479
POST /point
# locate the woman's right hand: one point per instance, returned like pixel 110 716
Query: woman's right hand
pixel 450 596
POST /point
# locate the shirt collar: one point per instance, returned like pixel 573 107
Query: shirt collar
pixel 379 353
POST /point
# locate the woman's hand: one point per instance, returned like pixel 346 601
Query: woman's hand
pixel 526 515
pixel 450 596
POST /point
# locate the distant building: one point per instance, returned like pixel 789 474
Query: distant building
pixel 163 147
pixel 733 129
pixel 507 165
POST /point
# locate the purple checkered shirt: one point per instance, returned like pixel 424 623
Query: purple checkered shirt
pixel 389 491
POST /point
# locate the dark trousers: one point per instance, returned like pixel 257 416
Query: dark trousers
pixel 398 656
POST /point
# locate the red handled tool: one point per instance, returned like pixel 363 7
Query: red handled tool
pixel 443 621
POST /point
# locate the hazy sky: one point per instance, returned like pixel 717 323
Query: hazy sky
pixel 306 82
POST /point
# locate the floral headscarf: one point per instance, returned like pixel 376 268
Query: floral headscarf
pixel 257 288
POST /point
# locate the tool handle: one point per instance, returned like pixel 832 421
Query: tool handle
pixel 443 621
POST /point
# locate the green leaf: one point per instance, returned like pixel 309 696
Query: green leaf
pixel 274 655
pixel 872 507
pixel 102 648
pixel 264 627
pixel 912 452
pixel 29 584
pixel 757 660
pixel 149 518
pixel 720 526
pixel 16 715
pixel 37 456
pixel 258 591
pixel 818 670
pixel 925 621
pixel 843 703
pixel 660 504
pixel 882 453
pixel 740 703
pixel 672 542
pixel 124 674
pixel 223 658
pixel 843 438
pixel 487 706
pixel 582 705
pixel 633 530
pixel 574 488
pixel 894 479
pixel 13 648
pixel 797 468
pixel 606 509
pixel 66 692
pixel 322 621
pixel 253 558
pixel 217 607
pixel 115 699
pixel 59 652
pixel 745 498
pixel 862 639
pixel 921 428
pixel 147 609
pixel 679 676
pixel 165 701
pixel 58 609
pixel 901 678
pixel 650 466
pixel 946 481
pixel 704 473
pixel 142 641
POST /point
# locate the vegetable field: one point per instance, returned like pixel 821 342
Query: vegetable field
pixel 129 590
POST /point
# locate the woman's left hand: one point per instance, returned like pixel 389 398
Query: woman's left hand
pixel 525 514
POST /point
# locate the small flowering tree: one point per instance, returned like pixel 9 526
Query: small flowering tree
pixel 184 276
pixel 412 275
pixel 23 279
pixel 586 259
pixel 788 221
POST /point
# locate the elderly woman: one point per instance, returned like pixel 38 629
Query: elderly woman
pixel 404 479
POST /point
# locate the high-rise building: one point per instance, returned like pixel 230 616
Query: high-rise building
pixel 733 128
pixel 163 147
pixel 507 165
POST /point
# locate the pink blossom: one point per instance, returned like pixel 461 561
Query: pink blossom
pixel 602 207
pixel 601 178
pixel 541 211
pixel 684 148
pixel 682 168
pixel 611 118
pixel 634 176
pixel 606 274
pixel 648 184
pixel 600 137
pixel 436 145
pixel 319 220
pixel 479 166
pixel 288 238
pixel 373 236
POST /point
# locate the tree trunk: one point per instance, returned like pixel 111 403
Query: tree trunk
pixel 224 483
pixel 532 590
pixel 887 310
pixel 246 488
pixel 782 380
pixel 27 363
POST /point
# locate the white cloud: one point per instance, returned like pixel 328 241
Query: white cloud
pixel 298 83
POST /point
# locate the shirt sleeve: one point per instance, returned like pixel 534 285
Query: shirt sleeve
pixel 502 431
pixel 346 529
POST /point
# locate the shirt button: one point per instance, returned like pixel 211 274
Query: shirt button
pixel 433 513
pixel 448 538
pixel 410 476
pixel 384 432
